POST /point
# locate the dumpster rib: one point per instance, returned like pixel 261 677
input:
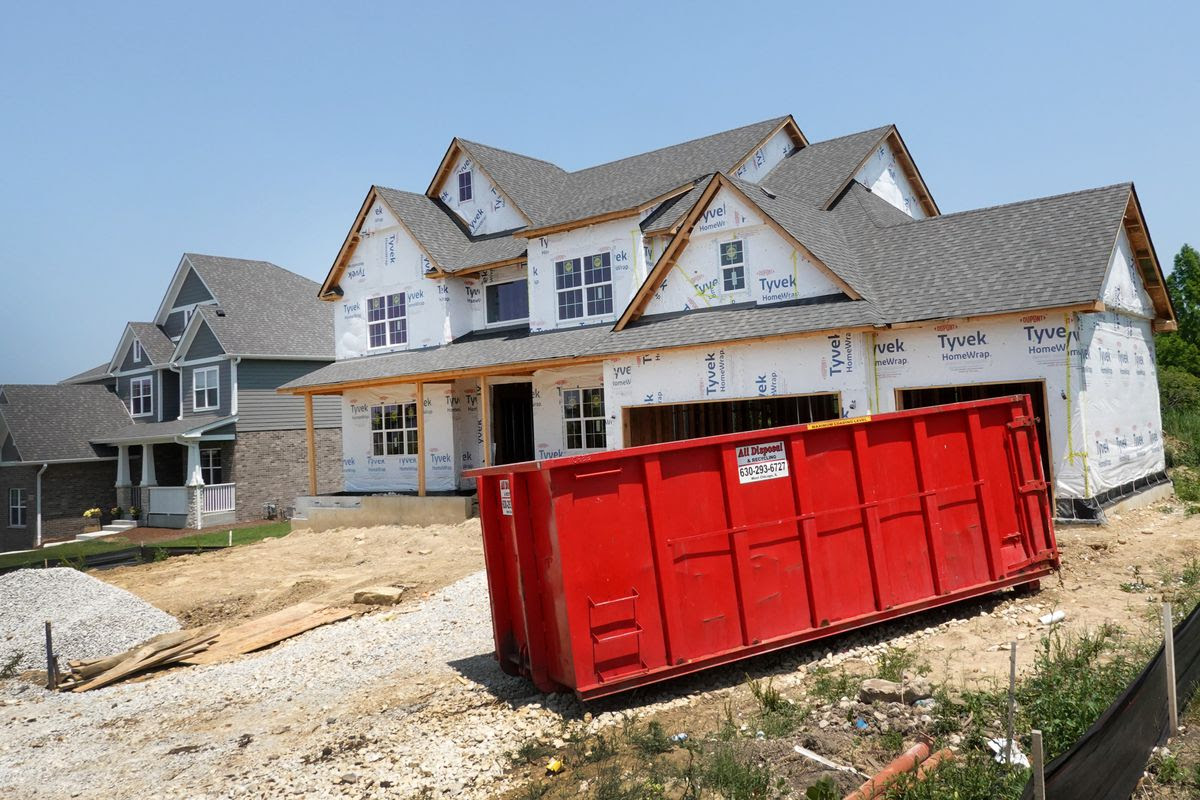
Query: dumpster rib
pixel 802 493
pixel 986 502
pixel 930 504
pixel 880 584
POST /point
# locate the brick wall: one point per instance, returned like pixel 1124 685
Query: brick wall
pixel 272 467
pixel 67 489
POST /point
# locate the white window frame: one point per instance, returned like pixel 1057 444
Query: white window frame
pixel 470 186
pixel 506 322
pixel 583 419
pixel 214 387
pixel 146 397
pixel 138 352
pixel 386 321
pixel 18 508
pixel 403 425
pixel 583 286
pixel 208 467
pixel 723 268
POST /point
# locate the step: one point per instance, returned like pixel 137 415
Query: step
pixel 87 537
pixel 119 525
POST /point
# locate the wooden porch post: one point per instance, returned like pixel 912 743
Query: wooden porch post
pixel 420 440
pixel 312 444
pixel 485 414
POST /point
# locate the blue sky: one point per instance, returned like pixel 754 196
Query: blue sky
pixel 132 133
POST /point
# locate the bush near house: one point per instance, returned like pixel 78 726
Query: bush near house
pixel 1178 357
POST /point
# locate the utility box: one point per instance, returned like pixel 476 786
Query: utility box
pixel 612 570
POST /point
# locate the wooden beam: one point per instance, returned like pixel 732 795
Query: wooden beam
pixel 312 444
pixel 1094 305
pixel 421 456
pixel 485 414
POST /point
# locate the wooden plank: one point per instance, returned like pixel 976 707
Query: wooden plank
pixel 146 657
pixel 312 444
pixel 266 631
pixel 485 413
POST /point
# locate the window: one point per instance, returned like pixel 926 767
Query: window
pixel 464 186
pixel 583 412
pixel 16 508
pixel 206 389
pixel 584 286
pixel 210 466
pixel 394 430
pixel 386 322
pixel 141 396
pixel 733 266
pixel 507 302
pixel 137 352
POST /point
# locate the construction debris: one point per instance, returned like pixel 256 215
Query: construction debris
pixel 208 645
pixel 379 595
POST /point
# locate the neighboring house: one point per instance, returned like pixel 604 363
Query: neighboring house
pixel 206 439
pixel 515 310
pixel 50 471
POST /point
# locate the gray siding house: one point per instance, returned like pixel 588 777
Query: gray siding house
pixel 50 471
pixel 205 439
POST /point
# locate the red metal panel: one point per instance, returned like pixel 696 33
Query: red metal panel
pixel 618 569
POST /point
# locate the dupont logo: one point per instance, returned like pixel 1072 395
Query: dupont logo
pixel 1033 318
pixel 947 327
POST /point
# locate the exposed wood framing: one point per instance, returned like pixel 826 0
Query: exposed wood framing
pixel 421 454
pixel 311 440
pixel 1147 263
pixel 1093 305
pixel 459 273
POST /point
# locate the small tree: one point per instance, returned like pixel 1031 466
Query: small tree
pixel 1184 285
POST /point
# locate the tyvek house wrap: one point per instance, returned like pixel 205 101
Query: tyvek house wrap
pixel 363 471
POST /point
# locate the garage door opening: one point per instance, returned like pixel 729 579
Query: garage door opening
pixel 940 395
pixel 674 422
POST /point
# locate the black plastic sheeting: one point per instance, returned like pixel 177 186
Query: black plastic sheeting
pixel 1108 761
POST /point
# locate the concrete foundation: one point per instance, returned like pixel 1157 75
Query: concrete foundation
pixel 1147 497
pixel 390 510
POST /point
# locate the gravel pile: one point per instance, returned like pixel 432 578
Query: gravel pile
pixel 90 618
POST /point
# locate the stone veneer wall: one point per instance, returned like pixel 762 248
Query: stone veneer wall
pixel 272 467
pixel 67 489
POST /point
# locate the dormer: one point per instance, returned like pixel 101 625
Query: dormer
pixel 186 291
pixel 465 187
pixel 785 139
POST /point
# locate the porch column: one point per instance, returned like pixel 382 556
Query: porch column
pixel 312 444
pixel 122 466
pixel 123 485
pixel 148 478
pixel 485 417
pixel 193 476
pixel 421 456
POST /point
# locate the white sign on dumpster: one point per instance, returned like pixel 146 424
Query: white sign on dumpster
pixel 505 498
pixel 761 462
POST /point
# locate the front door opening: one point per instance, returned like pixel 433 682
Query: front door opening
pixel 673 422
pixel 512 422
pixel 940 395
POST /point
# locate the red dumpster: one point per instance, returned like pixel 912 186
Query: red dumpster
pixel 617 569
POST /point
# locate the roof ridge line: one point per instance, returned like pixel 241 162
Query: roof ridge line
pixel 511 153
pixel 995 206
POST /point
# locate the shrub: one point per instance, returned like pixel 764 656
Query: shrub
pixel 1178 389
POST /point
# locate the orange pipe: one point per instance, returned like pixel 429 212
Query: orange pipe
pixel 907 761
pixel 931 763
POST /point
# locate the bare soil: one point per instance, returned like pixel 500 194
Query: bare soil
pixel 255 579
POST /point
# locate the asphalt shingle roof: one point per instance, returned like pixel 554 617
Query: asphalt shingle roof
pixel 96 373
pixel 812 174
pixel 142 431
pixel 531 183
pixel 55 422
pixel 268 310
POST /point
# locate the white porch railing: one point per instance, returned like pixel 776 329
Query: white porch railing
pixel 135 498
pixel 167 500
pixel 220 497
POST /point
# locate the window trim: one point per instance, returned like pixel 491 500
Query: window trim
pixel 583 419
pixel 207 388
pixel 18 505
pixel 470 187
pixel 220 465
pixel 387 328
pixel 583 287
pixel 404 430
pixel 507 322
pixel 721 269
pixel 147 397
pixel 138 352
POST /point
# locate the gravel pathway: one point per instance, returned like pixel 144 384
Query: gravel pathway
pixel 90 618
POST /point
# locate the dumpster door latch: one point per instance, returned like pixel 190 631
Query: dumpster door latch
pixel 1022 422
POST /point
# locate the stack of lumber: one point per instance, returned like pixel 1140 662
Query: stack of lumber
pixel 164 649
pixel 209 645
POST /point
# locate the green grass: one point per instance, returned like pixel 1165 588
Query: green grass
pixel 73 551
pixel 220 537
